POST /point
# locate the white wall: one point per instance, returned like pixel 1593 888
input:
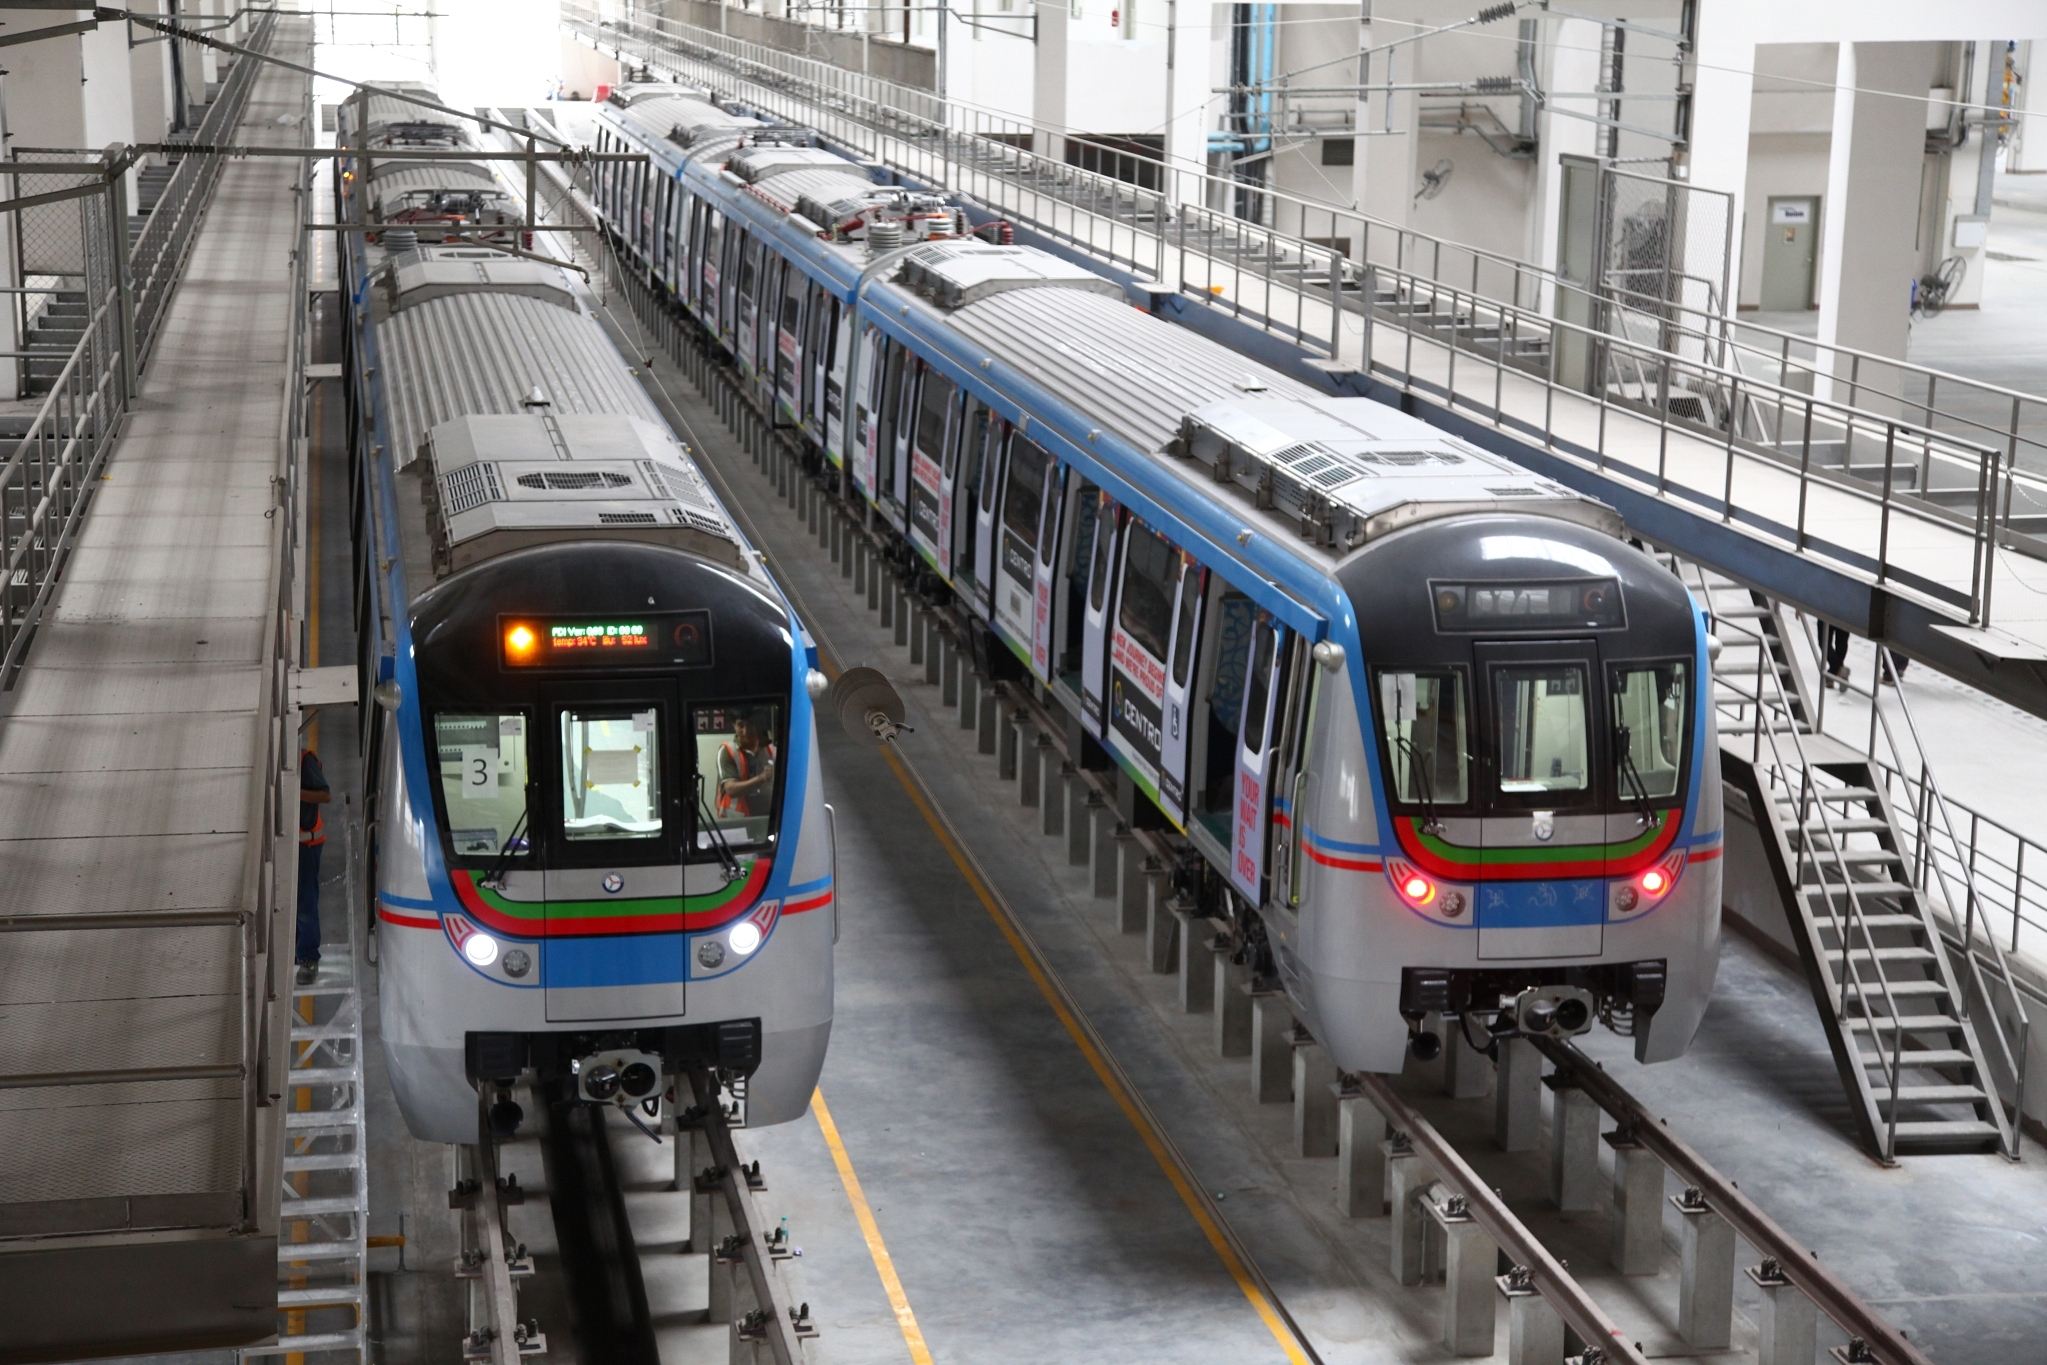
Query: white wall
pixel 484 53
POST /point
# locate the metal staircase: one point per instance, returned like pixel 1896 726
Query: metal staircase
pixel 1851 866
pixel 323 1219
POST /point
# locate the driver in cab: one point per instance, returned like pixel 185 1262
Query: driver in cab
pixel 746 769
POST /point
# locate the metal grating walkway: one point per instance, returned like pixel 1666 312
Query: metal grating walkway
pixel 145 758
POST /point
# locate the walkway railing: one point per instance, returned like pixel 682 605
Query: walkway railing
pixel 1724 415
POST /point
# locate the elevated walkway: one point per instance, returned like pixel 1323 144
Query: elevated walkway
pixel 147 823
pixel 1867 491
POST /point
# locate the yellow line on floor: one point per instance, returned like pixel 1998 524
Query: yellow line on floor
pixel 1113 1082
pixel 884 1264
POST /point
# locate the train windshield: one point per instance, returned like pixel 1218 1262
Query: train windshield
pixel 483 782
pixel 1427 735
pixel 1544 730
pixel 1649 712
pixel 739 775
pixel 611 773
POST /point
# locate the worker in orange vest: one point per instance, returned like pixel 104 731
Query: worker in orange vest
pixel 746 769
pixel 313 794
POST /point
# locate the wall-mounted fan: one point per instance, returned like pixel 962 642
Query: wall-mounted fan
pixel 1434 178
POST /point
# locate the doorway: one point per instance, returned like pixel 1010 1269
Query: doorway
pixel 1790 251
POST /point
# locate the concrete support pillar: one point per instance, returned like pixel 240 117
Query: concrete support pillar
pixel 973 688
pixel 847 551
pixel 1135 872
pixel 1469 1259
pixel 1036 750
pixel 1082 800
pixel 1637 1246
pixel 1407 1181
pixel 905 612
pixel 1314 1100
pixel 836 527
pixel 1535 1334
pixel 1188 81
pixel 1869 220
pixel 1008 748
pixel 1272 1048
pixel 1361 1135
pixel 1110 834
pixel 1161 927
pixel 917 626
pixel 1466 1072
pixel 1574 1147
pixel 1048 89
pixel 949 685
pixel 987 718
pixel 1052 809
pixel 1517 1096
pixel 1197 962
pixel 1232 1007
pixel 1705 1287
pixel 888 604
pixel 1787 1328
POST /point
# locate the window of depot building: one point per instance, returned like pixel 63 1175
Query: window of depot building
pixel 1339 151
pixel 739 774
pixel 611 773
pixel 482 759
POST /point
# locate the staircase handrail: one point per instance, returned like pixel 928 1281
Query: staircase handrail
pixel 1808 802
pixel 1931 798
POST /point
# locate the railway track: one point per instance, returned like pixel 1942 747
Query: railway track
pixel 1438 1202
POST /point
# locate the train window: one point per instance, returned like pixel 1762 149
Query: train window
pixel 885 417
pixel 1183 629
pixel 611 773
pixel 1543 735
pixel 1263 646
pixel 1428 739
pixel 1650 721
pixel 1149 571
pixel 739 775
pixel 932 411
pixel 1025 501
pixel 792 302
pixel 483 782
pixel 1098 568
pixel 998 431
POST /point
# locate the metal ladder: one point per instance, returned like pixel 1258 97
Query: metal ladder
pixel 1846 861
pixel 323 1217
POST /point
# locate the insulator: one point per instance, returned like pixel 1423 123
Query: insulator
pixel 1494 13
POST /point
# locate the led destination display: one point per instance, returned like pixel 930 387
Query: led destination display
pixel 669 639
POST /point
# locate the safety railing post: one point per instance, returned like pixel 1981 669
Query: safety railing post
pixel 118 159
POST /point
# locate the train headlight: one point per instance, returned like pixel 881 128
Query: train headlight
pixel 480 949
pixel 1654 882
pixel 1413 887
pixel 745 937
pixel 1658 880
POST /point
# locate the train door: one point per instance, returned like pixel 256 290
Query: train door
pixel 1094 613
pixel 1025 483
pixel 612 844
pixel 897 374
pixel 731 248
pixel 897 451
pixel 1175 744
pixel 1541 800
pixel 928 440
pixel 1044 602
pixel 709 246
pixel 1290 772
pixel 988 519
pixel 753 285
pixel 789 341
pixel 866 416
pixel 837 359
pixel 1140 632
pixel 817 318
pixel 1257 733
pixel 963 494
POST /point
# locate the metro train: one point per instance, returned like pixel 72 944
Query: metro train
pixel 601 850
pixel 1433 726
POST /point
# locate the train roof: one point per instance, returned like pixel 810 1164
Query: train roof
pixel 684 121
pixel 410 278
pixel 1337 471
pixel 638 92
pixel 386 119
pixel 431 178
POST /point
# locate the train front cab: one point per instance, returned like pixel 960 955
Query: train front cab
pixel 610 822
pixel 1548 787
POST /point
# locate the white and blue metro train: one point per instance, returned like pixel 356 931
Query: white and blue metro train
pixel 600 846
pixel 1434 727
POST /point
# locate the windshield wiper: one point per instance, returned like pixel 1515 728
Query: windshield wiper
pixel 1419 766
pixel 726 858
pixel 1623 741
pixel 494 876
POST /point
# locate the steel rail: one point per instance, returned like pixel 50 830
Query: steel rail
pixel 45 1080
pixel 775 1318
pixel 1800 1264
pixel 1545 1271
pixel 141 919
